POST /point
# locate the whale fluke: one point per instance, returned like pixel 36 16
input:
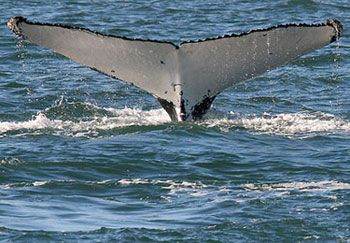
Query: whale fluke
pixel 185 78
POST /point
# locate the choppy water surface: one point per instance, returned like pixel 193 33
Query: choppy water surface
pixel 86 157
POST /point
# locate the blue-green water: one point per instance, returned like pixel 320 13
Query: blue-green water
pixel 84 157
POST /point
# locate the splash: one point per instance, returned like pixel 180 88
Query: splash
pixel 295 125
pixel 85 127
pixel 102 122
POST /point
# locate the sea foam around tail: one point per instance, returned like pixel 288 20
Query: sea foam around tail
pixel 297 125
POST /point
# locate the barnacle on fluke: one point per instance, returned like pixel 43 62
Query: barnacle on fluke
pixel 184 78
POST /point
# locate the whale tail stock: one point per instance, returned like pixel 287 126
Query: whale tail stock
pixel 184 78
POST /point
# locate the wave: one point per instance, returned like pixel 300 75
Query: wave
pixel 173 188
pixel 164 204
pixel 99 121
pixel 321 186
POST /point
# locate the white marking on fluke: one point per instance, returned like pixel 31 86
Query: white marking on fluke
pixel 184 78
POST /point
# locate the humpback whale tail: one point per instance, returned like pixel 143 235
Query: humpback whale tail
pixel 184 78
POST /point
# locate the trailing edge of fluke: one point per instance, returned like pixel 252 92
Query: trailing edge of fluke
pixel 184 78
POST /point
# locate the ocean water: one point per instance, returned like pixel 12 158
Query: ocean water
pixel 84 157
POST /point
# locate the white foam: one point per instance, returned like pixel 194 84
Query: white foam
pixel 166 184
pixel 172 190
pixel 123 118
pixel 195 189
pixel 296 125
pixel 38 122
pixel 288 124
pixel 40 183
pixel 35 184
pixel 320 186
